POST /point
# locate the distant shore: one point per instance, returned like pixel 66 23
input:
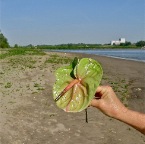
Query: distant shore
pixel 29 114
pixel 126 54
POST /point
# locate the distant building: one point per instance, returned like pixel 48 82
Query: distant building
pixel 121 40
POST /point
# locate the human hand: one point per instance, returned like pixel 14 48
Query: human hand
pixel 107 101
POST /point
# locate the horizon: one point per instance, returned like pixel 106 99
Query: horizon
pixel 54 22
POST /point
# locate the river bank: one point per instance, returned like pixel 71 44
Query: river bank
pixel 128 54
pixel 29 115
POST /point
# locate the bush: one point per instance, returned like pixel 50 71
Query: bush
pixel 3 41
pixel 140 44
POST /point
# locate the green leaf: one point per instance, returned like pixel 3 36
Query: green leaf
pixel 76 84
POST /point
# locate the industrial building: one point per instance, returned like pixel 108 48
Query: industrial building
pixel 121 40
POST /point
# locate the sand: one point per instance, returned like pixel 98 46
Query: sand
pixel 29 115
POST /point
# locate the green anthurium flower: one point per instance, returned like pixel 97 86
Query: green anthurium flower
pixel 76 84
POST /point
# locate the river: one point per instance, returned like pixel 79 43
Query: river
pixel 131 54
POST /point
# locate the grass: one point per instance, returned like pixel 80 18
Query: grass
pixel 55 59
pixel 22 61
pixel 38 86
pixel 21 51
pixel 29 62
pixel 11 102
pixel 8 85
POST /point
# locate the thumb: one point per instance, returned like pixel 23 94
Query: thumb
pixel 95 103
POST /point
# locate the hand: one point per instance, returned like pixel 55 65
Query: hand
pixel 108 102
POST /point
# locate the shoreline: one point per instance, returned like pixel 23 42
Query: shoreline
pixel 123 58
pixel 71 51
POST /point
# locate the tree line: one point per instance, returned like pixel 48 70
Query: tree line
pixel 4 44
pixel 72 46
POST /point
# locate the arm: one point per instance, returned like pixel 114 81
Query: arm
pixel 134 119
pixel 110 105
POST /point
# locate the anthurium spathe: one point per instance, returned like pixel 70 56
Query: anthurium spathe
pixel 76 84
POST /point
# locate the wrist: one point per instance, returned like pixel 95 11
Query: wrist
pixel 121 113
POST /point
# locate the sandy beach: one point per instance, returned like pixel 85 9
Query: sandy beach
pixel 29 115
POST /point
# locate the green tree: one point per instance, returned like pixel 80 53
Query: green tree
pixel 140 43
pixel 30 46
pixel 16 46
pixel 125 44
pixel 3 41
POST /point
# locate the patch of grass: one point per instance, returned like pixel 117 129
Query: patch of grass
pixel 11 102
pixel 21 51
pixel 22 61
pixel 8 85
pixel 36 85
pixel 55 59
pixel 34 92
pixel 1 73
pixel 39 87
pixel 31 66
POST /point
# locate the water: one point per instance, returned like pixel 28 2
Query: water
pixel 136 55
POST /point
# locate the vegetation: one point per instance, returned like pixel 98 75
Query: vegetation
pixel 20 51
pixel 72 77
pixel 3 41
pixel 140 44
pixel 126 45
pixel 56 59
pixel 86 46
pixel 8 85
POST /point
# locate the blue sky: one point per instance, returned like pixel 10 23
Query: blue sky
pixel 35 22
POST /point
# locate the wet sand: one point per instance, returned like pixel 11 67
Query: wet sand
pixel 28 114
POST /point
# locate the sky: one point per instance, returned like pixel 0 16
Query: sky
pixel 37 22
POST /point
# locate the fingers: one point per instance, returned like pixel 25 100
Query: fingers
pixel 103 89
pixel 99 89
pixel 99 92
pixel 95 103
